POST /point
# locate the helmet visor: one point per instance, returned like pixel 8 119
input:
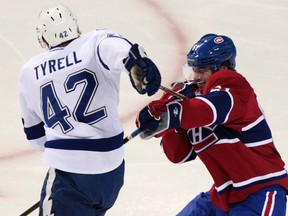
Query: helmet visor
pixel 188 71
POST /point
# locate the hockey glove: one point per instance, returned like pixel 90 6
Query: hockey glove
pixel 158 117
pixel 153 119
pixel 144 74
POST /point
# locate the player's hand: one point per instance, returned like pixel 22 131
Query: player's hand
pixel 149 117
pixel 144 74
pixel 157 117
pixel 155 120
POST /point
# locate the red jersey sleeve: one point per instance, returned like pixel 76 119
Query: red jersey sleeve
pixel 224 101
pixel 177 146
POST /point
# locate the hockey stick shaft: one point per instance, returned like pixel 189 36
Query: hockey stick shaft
pixel 171 92
pixel 31 209
pixel 132 135
pixel 165 89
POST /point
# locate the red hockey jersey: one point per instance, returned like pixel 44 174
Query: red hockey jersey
pixel 227 130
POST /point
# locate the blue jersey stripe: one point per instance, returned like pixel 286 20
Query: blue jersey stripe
pixel 98 51
pixel 101 61
pixel 101 145
pixel 222 102
pixel 35 131
pixel 257 133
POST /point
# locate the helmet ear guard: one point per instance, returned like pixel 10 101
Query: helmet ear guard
pixel 56 25
pixel 213 51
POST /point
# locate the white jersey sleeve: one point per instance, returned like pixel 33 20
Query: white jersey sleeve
pixel 114 58
pixel 69 102
pixel 33 125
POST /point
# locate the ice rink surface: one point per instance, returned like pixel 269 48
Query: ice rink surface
pixel 166 29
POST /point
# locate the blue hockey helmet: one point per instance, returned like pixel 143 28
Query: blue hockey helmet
pixel 212 51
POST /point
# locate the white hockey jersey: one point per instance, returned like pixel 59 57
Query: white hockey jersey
pixel 69 103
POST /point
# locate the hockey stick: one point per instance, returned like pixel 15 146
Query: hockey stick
pixel 171 92
pixel 132 135
pixel 165 89
pixel 31 209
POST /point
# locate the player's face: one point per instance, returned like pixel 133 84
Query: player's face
pixel 201 75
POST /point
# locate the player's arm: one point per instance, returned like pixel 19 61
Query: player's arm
pixel 176 146
pixel 118 54
pixel 35 135
pixel 32 124
pixel 212 108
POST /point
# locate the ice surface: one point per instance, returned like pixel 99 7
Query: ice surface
pixel 167 29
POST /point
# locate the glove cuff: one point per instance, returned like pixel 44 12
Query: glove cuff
pixel 174 113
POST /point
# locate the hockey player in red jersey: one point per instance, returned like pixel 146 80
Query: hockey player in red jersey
pixel 225 127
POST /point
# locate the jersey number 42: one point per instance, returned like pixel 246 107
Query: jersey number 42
pixel 56 114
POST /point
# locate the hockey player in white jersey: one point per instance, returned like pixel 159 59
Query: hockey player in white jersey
pixel 69 99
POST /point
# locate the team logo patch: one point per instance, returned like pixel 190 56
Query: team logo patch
pixel 218 40
pixel 176 111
